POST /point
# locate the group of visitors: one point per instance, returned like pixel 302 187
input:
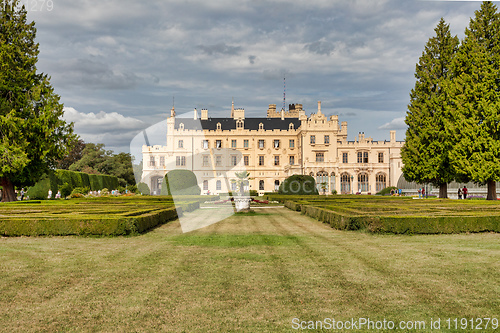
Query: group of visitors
pixel 421 192
pixel 462 191
pixel 396 192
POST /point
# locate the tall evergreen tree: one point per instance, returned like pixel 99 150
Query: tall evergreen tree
pixel 32 133
pixel 425 153
pixel 475 101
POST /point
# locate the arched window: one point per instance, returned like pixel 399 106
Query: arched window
pixel 261 126
pixel 261 185
pixel 205 185
pixel 380 179
pixel 239 123
pixel 276 185
pixel 291 126
pixel 363 182
pixel 218 186
pixel 219 126
pixel 345 183
pixel 322 181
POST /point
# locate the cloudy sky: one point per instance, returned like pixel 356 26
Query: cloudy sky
pixel 118 64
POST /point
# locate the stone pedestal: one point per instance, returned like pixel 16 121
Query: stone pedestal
pixel 242 204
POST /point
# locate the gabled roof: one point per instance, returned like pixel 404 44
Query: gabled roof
pixel 230 124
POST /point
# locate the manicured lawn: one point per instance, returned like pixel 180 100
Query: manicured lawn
pixel 248 273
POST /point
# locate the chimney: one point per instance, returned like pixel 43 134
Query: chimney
pixel 204 114
pixel 195 114
pixel 393 136
pixel 282 114
pixel 319 106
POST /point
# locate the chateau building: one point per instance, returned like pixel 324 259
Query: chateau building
pixel 271 149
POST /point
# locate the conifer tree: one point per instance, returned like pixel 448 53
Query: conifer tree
pixel 474 106
pixel 32 133
pixel 425 153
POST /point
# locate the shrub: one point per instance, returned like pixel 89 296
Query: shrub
pixel 254 193
pixel 104 191
pixel 180 182
pixel 76 195
pixel 298 185
pixel 80 190
pixel 65 189
pixel 132 188
pixel 143 188
pixel 387 190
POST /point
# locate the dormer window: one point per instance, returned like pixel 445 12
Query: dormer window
pixel 291 127
pixel 181 126
pixel 261 126
pixel 239 123
pixel 219 126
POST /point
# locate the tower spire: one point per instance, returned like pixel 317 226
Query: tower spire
pixel 284 92
pixel 232 108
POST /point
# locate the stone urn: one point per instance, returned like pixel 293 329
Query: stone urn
pixel 242 203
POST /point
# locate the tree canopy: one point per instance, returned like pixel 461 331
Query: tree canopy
pixel 33 135
pixel 474 96
pixel 425 153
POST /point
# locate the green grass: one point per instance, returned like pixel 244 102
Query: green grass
pixel 244 274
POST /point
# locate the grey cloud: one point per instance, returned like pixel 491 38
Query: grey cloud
pixel 251 59
pixel 96 75
pixel 220 48
pixel 320 47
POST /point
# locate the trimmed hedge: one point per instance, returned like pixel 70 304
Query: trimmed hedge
pixel 74 179
pixel 298 185
pixel 86 226
pixel 400 216
pixel 180 182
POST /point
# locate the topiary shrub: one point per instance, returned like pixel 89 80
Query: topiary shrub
pixel 387 190
pixel 180 182
pixel 143 189
pixel 65 189
pixel 298 185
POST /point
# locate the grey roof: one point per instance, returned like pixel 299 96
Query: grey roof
pixel 230 124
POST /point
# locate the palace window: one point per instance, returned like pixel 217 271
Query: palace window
pixel 320 157
pixel 246 160
pixel 276 185
pixel 233 143
pixel 205 160
pixel 276 143
pixel 180 161
pixel 381 157
pixel 205 185
pixel 180 144
pixel 151 161
pixel 245 143
pixel 261 126
pixel 380 179
pixel 322 181
pixel 362 157
pixel 218 143
pixel 363 182
pixel 234 160
pixel 327 139
pixel 261 185
pixel 218 185
pixel 292 160
pixel 261 144
pixel 345 158
pixel 345 183
pixel 218 160
pixel 313 139
pixel 239 124
pixel 261 160
pixel 276 160
pixel 205 144
pixel 219 126
pixel 291 127
pixel 162 161
pixel 291 144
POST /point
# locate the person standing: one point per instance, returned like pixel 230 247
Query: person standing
pixel 459 193
pixel 423 192
pixel 420 193
pixel 50 194
pixel 464 191
pixel 22 194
